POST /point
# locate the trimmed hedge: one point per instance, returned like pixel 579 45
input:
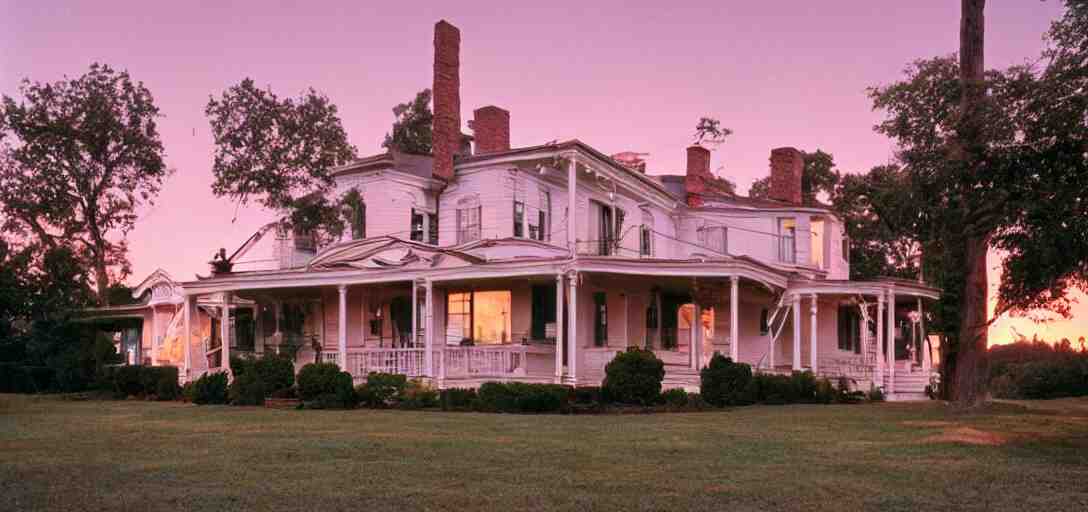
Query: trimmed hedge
pixel 15 378
pixel 276 372
pixel 210 389
pixel 324 386
pixel 633 377
pixel 247 389
pixel 159 382
pixel 519 397
pixel 381 389
pixel 457 399
pixel 724 382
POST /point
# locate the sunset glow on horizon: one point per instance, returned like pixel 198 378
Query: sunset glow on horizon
pixel 618 77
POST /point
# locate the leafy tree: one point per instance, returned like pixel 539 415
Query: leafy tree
pixel 819 175
pixel 412 126
pixel 279 152
pixel 880 214
pixel 79 156
pixel 996 163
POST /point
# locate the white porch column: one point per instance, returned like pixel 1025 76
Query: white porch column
pixel 415 314
pixel 572 354
pixel 891 341
pixel 797 332
pixel 342 327
pixel 572 207
pixel 186 355
pixel 154 336
pixel 224 333
pixel 559 326
pixel 879 340
pixel 734 318
pixel 813 336
pixel 278 311
pixel 927 358
pixel 694 335
pixel 428 328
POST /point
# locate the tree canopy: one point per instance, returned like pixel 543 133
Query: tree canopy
pixel 77 157
pixel 819 175
pixel 279 152
pixel 412 126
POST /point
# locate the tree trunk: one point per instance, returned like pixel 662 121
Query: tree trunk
pixel 102 282
pixel 970 365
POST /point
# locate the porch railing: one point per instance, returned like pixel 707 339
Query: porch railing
pixel 360 363
pixel 497 361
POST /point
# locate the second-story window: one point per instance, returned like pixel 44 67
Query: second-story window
pixel 416 233
pixel 354 211
pixel 468 224
pixel 645 241
pixel 818 243
pixel 787 240
pixel 519 219
pixel 432 229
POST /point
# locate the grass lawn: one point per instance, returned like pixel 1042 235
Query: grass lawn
pixel 133 455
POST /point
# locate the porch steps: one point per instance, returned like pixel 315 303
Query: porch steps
pixel 910 386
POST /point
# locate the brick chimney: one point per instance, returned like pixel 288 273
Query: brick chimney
pixel 491 128
pixel 787 166
pixel 699 182
pixel 446 126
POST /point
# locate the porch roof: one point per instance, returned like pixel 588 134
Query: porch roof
pixel 876 287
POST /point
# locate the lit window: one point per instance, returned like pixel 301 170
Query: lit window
pixel 817 243
pixel 480 317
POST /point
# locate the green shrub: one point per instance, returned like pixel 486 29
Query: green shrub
pixel 343 388
pixel 876 394
pixel 160 381
pixel 457 399
pixel 804 387
pixel 770 389
pixel 382 389
pixel 128 381
pixel 210 389
pixel 417 395
pixel 14 378
pixel 246 389
pixel 588 395
pixel 675 397
pixel 724 382
pixel 519 397
pixel 188 391
pixel 825 392
pixel 324 386
pixel 277 372
pixel 633 377
pixel 316 379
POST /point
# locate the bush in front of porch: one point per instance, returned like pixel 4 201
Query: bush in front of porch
pixel 724 382
pixel 633 377
pixel 324 386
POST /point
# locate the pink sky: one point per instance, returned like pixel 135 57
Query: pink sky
pixel 615 76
